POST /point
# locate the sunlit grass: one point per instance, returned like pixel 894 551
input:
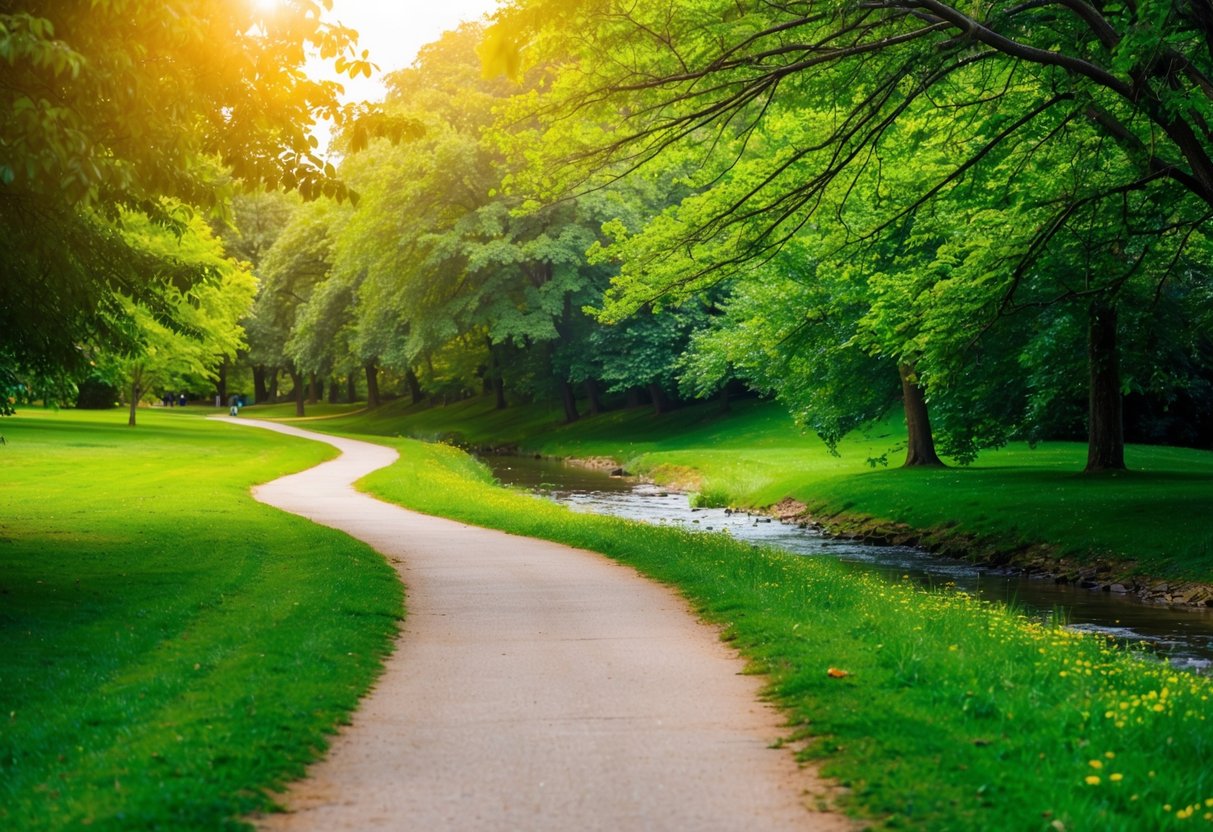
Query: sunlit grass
pixel 955 714
pixel 286 410
pixel 1155 516
pixel 168 647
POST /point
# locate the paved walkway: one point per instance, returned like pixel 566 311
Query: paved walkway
pixel 535 687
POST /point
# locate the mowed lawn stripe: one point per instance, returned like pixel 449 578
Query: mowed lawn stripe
pixel 168 647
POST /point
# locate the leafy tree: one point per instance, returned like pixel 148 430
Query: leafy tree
pixel 257 219
pixel 206 320
pixel 298 262
pixel 439 259
pixel 832 95
pixel 116 105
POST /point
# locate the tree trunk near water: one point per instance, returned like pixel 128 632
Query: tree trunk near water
pixel 920 442
pixel 493 374
pixel 660 403
pixel 372 384
pixel 591 394
pixel 1105 427
pixel 569 400
pixel 414 383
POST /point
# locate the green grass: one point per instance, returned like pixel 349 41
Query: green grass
pixel 955 715
pixel 169 649
pixel 286 410
pixel 1154 517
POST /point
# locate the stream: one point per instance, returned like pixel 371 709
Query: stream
pixel 1182 634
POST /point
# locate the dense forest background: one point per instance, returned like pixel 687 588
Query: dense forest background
pixel 994 218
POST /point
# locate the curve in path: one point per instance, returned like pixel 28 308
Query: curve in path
pixel 535 687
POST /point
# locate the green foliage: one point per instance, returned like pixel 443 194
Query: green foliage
pixel 117 106
pixel 956 177
pixel 201 329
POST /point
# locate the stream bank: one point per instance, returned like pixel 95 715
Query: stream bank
pixel 1183 633
pixel 1038 561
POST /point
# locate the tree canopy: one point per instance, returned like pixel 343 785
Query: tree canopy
pixel 118 106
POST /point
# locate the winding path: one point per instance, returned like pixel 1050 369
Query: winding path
pixel 535 687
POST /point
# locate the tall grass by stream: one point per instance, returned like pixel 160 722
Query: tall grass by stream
pixel 948 713
pixel 1152 520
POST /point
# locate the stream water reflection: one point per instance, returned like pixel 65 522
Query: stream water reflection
pixel 1183 634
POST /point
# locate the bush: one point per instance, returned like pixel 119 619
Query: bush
pixel 96 394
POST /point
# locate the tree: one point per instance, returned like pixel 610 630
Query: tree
pixel 206 320
pixel 298 262
pixel 1005 84
pixel 257 220
pixel 441 261
pixel 119 105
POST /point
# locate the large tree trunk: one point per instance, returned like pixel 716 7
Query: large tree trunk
pixel 300 392
pixel 499 392
pixel 660 403
pixel 136 394
pixel 272 388
pixel 569 399
pixel 920 442
pixel 313 388
pixel 1105 427
pixel 261 393
pixel 334 390
pixel 221 382
pixel 494 374
pixel 414 383
pixel 351 388
pixel 592 395
pixel 372 384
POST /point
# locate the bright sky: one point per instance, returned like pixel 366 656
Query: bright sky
pixel 393 31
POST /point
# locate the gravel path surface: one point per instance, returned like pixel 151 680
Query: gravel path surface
pixel 535 687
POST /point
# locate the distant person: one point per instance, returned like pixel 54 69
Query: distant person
pixel 234 405
pixel 181 400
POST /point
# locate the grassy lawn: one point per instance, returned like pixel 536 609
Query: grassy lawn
pixel 285 411
pixel 1155 515
pixel 169 648
pixel 953 715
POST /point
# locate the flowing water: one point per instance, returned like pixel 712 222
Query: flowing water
pixel 1183 634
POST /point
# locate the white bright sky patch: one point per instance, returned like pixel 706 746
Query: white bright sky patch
pixel 393 31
